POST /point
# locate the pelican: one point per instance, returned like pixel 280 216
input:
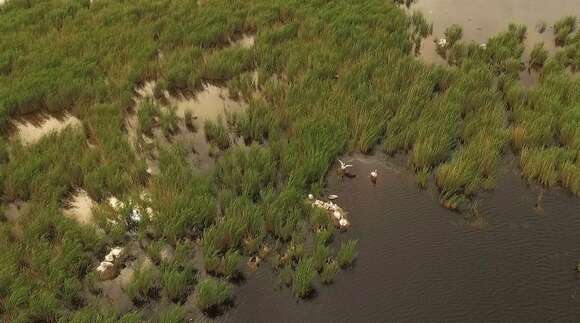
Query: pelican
pixel 135 215
pixel 374 174
pixel 442 42
pixel 344 166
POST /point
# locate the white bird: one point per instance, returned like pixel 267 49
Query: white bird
pixel 332 197
pixel 374 174
pixel 442 42
pixel 344 166
pixel 135 215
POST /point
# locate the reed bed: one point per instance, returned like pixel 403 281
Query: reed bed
pixel 332 77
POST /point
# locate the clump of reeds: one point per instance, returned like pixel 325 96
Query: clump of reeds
pixel 178 280
pixel 217 133
pixel 168 120
pixel 541 27
pixel 453 34
pixel 145 285
pixel 541 164
pixel 347 253
pixel 422 177
pixel 563 28
pixel 173 314
pixel 303 277
pixel 538 56
pixel 188 119
pixel 329 271
pixel 212 293
pixel 420 29
pixel 146 116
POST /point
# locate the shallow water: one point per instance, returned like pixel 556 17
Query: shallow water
pixel 32 128
pixel 80 208
pixel 13 212
pixel 419 262
pixel 210 103
pixel 482 19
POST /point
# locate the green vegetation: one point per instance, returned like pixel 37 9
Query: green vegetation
pixel 146 115
pixel 563 29
pixel 303 277
pixel 332 77
pixel 347 253
pixel 329 271
pixel 212 293
pixel 144 286
pixel 538 56
pixel 217 134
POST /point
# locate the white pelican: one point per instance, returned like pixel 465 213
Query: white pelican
pixel 442 42
pixel 135 215
pixel 344 166
pixel 374 174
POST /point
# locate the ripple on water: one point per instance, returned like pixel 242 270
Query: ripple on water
pixel 420 262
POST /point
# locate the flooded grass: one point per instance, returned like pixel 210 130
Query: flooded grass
pixel 31 129
pixel 300 85
pixel 197 125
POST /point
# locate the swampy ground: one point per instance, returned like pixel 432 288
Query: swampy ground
pixel 192 133
pixel 420 262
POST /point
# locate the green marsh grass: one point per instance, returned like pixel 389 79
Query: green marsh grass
pixel 217 134
pixel 329 271
pixel 563 28
pixel 538 56
pixel 212 293
pixel 303 277
pixel 144 286
pixel 347 253
pixel 334 77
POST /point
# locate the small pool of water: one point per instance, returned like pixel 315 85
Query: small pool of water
pixel 210 103
pixel 79 208
pixel 32 128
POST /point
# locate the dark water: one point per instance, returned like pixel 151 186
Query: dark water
pixel 420 262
